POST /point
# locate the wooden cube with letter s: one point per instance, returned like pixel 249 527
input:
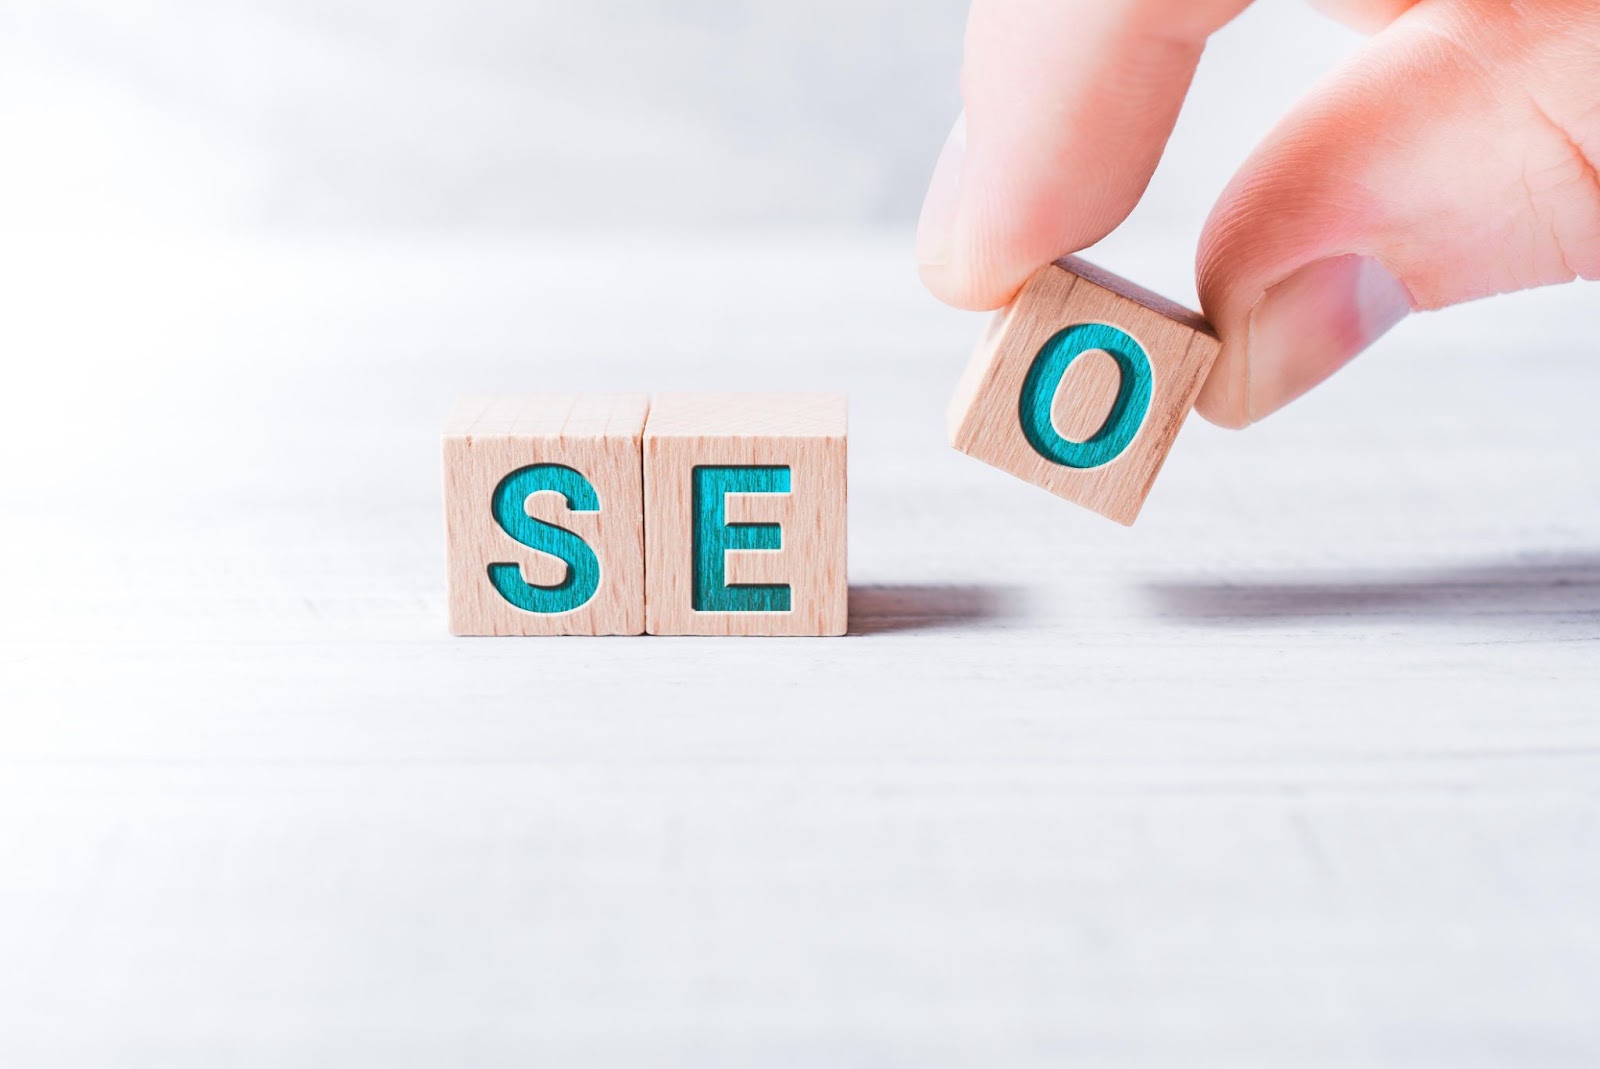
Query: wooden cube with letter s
pixel 745 514
pixel 544 514
pixel 1081 386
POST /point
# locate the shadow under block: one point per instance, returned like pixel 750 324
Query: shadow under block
pixel 745 514
pixel 544 514
pixel 1081 385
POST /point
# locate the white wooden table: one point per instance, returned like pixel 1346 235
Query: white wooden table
pixel 1302 770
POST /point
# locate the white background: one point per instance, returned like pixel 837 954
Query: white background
pixel 1301 770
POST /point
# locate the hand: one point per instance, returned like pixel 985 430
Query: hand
pixel 1453 157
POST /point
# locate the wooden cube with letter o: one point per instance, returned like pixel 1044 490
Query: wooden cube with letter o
pixel 1081 385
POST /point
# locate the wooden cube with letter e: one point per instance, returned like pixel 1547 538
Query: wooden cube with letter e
pixel 1081 385
pixel 745 514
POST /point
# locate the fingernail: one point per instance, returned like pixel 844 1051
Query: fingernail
pixel 1312 323
pixel 936 227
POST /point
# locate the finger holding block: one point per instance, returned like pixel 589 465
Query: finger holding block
pixel 544 514
pixel 1081 385
pixel 745 498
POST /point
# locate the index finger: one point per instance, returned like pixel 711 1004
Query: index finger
pixel 1069 104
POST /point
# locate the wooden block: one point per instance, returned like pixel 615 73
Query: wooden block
pixel 745 514
pixel 1081 385
pixel 544 514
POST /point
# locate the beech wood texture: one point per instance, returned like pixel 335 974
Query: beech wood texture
pixel 984 419
pixel 599 436
pixel 805 433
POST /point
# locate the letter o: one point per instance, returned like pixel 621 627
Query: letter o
pixel 1127 413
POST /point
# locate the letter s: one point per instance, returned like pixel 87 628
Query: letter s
pixel 509 507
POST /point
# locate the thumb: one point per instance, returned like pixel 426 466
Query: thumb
pixel 1452 159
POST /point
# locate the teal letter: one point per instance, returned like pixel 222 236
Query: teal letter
pixel 510 508
pixel 714 536
pixel 1127 411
